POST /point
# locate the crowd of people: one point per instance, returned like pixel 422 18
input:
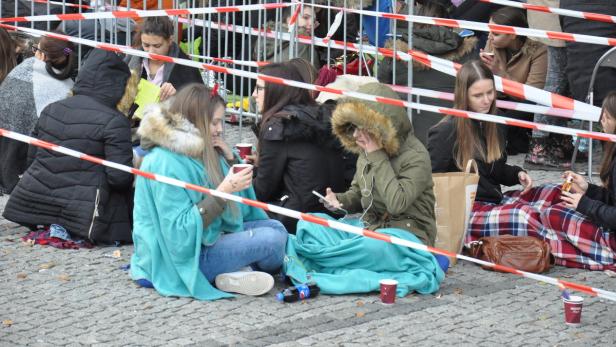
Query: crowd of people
pixel 372 162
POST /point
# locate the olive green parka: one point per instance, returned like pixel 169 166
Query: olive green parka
pixel 392 186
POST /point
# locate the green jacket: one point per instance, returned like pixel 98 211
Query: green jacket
pixel 392 186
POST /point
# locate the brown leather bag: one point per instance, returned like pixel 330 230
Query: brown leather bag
pixel 524 253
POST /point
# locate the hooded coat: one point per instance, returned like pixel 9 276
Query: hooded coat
pixel 392 186
pixel 299 154
pixel 90 200
pixel 438 41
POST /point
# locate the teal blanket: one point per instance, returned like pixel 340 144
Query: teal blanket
pixel 342 263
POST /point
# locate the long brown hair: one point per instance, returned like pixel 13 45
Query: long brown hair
pixel 60 55
pixel 197 104
pixel 470 144
pixel 8 58
pixel 277 96
pixel 608 110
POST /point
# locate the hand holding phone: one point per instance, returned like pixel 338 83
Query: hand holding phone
pixel 330 201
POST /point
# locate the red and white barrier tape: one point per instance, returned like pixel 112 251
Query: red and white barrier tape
pixel 293 19
pixel 144 13
pixel 568 13
pixel 362 96
pixel 509 105
pixel 304 216
pixel 479 26
pixel 581 110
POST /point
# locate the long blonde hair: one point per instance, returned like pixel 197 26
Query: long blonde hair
pixel 197 104
pixel 469 143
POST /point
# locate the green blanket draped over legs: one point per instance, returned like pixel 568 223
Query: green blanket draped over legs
pixel 343 263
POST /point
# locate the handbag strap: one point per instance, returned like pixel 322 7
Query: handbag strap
pixel 471 163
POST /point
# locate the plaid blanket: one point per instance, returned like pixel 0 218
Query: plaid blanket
pixel 574 240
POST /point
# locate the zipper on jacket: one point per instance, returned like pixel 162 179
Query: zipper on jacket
pixel 94 214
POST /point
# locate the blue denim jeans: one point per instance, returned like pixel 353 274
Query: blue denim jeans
pixel 261 245
pixel 555 82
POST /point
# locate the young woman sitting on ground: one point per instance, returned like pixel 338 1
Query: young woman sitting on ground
pixel 26 90
pixel 529 212
pixel 392 189
pixel 186 240
pixel 297 153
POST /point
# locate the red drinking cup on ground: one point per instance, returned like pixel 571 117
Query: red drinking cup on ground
pixel 573 310
pixel 244 149
pixel 239 167
pixel 388 291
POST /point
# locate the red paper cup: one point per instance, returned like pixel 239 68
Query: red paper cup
pixel 573 310
pixel 244 149
pixel 239 167
pixel 388 291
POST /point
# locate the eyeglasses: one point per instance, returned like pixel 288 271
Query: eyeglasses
pixel 35 48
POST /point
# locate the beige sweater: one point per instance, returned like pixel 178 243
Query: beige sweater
pixel 545 21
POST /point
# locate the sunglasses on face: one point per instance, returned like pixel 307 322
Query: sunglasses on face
pixel 35 48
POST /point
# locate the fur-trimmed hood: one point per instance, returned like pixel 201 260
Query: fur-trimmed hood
pixel 388 124
pixel 161 128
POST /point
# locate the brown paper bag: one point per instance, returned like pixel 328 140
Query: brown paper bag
pixel 455 195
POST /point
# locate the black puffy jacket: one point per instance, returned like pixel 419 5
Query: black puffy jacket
pixel 89 200
pixel 298 154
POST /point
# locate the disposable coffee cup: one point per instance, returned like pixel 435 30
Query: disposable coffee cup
pixel 388 291
pixel 244 149
pixel 491 54
pixel 573 310
pixel 239 167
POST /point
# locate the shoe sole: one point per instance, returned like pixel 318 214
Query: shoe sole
pixel 252 283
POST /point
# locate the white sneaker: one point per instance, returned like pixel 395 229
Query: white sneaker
pixel 248 283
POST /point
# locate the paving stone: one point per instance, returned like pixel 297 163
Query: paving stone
pixel 101 306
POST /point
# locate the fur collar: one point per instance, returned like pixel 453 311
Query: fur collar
pixel 171 131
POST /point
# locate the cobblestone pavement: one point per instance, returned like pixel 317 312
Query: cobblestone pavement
pixel 81 297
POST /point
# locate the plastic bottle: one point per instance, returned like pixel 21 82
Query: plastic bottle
pixel 299 292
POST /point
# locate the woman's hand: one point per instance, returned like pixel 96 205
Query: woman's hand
pixel 488 60
pixel 525 181
pixel 236 182
pixel 578 184
pixel 223 147
pixel 366 142
pixel 331 202
pixel 571 200
pixel 166 91
pixel 252 159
